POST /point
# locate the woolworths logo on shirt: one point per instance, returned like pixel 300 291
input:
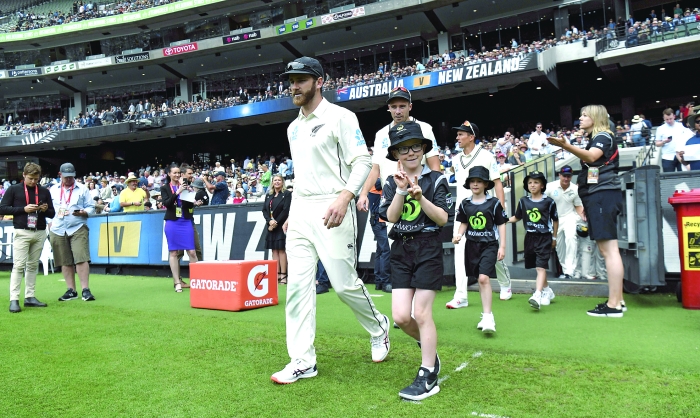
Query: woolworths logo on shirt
pixel 411 209
pixel 534 215
pixel 477 221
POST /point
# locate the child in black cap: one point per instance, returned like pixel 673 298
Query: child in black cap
pixel 483 219
pixel 541 221
pixel 416 200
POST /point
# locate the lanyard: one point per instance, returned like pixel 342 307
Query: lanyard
pixel 69 195
pixel 36 193
pixel 179 202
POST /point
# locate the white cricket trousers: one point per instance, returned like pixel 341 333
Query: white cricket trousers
pixel 502 273
pixel 27 246
pixel 567 243
pixel 308 240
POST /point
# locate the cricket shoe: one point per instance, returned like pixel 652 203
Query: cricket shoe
pixel 457 303
pixel 381 344
pixel 293 372
pixel 506 293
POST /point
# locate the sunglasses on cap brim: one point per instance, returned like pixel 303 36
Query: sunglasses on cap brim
pixel 296 66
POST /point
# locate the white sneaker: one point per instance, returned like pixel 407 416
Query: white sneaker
pixel 381 344
pixel 457 303
pixel 536 300
pixel 293 372
pixel 547 295
pixel 577 275
pixel 506 293
pixel 487 324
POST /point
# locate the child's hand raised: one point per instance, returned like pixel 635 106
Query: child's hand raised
pixel 414 190
pixel 400 178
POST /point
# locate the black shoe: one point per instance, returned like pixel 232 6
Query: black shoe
pixel 69 295
pixel 33 303
pixel 87 295
pixel 603 310
pixel 424 385
pixel 321 288
pixel 378 286
pixel 622 305
pixel 387 288
pixel 14 306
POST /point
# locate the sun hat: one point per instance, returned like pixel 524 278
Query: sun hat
pixel 538 175
pixel 404 132
pixel 479 172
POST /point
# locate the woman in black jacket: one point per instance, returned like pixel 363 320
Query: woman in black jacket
pixel 276 210
pixel 178 222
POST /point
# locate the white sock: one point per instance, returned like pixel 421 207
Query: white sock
pixel 430 369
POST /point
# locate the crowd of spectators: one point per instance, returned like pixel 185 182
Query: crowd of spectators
pixel 30 19
pixel 653 27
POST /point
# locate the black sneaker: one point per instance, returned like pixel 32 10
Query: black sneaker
pixel 604 310
pixel 622 304
pixel 424 385
pixel 87 295
pixel 69 295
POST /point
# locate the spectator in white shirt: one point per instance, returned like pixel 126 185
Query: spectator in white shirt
pixel 636 131
pixel 668 136
pixel 537 142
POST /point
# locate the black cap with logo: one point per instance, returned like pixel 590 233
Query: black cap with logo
pixel 303 65
pixel 467 126
pixel 399 92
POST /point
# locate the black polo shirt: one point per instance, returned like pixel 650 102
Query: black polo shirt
pixel 537 215
pixel 413 219
pixel 14 201
pixel 482 219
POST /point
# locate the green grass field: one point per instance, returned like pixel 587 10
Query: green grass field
pixel 139 350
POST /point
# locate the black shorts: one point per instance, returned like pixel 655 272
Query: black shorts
pixel 602 209
pixel 416 263
pixel 538 250
pixel 480 258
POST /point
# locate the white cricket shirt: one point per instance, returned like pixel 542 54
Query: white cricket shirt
pixel 566 200
pixel 461 164
pixel 329 152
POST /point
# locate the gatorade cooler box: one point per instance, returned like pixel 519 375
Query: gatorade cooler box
pixel 687 207
pixel 233 285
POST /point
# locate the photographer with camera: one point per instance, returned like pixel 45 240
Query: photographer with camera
pixel 218 188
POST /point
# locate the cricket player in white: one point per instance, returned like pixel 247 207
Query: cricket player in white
pixel 569 208
pixel 331 165
pixel 473 155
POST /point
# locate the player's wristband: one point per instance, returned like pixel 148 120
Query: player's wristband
pixel 401 192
